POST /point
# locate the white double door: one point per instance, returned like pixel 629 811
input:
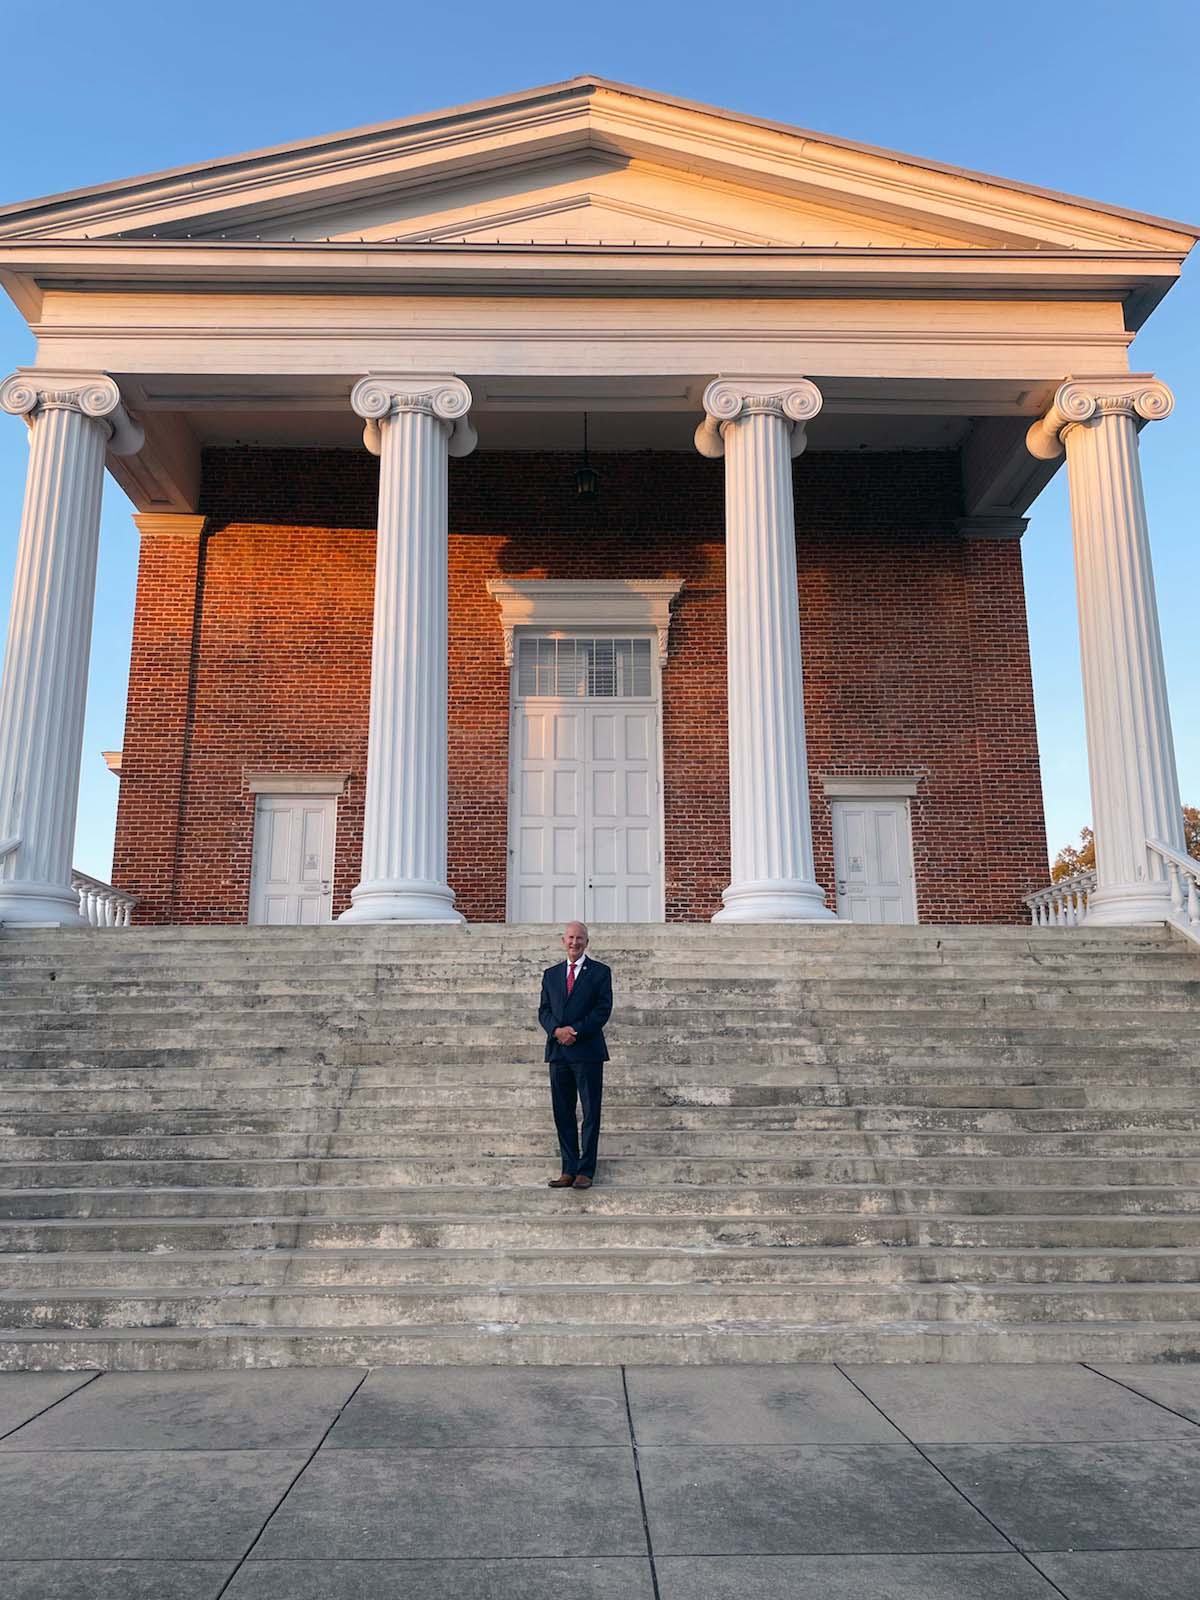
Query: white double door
pixel 585 812
pixel 291 878
pixel 873 862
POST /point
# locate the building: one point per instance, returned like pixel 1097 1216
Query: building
pixel 680 574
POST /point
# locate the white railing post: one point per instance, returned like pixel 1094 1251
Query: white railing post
pixel 1183 880
pixel 1063 904
pixel 100 905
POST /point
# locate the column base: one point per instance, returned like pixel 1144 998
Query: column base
pixel 775 900
pixel 1126 904
pixel 40 905
pixel 398 900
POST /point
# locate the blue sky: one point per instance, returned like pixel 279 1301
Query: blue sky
pixel 1096 99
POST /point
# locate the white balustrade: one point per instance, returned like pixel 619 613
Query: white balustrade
pixel 1183 879
pixel 100 905
pixel 1064 904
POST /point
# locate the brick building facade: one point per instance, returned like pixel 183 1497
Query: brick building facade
pixel 252 649
pixel 391 665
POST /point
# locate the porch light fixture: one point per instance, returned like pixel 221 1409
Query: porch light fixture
pixel 587 479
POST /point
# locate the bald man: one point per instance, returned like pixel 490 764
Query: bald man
pixel 576 1003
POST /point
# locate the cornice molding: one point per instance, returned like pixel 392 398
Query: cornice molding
pixel 31 391
pixel 988 525
pixel 1140 396
pixel 168 524
pixel 729 400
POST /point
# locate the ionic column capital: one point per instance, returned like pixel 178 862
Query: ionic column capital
pixel 1140 396
pixel 795 401
pixel 32 390
pixel 381 396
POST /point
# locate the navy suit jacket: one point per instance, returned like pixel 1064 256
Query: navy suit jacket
pixel 586 1010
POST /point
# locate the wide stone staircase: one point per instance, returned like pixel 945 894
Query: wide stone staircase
pixel 238 1147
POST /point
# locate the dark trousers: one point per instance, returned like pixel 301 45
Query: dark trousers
pixel 585 1083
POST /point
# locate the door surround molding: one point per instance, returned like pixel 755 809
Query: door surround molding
pixel 870 788
pixel 263 780
pixel 581 605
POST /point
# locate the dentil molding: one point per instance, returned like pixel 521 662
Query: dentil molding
pixel 727 400
pixel 1140 396
pixel 31 391
pixel 380 396
pixel 582 603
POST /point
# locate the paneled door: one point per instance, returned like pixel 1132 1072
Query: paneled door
pixel 585 801
pixel 291 878
pixel 872 860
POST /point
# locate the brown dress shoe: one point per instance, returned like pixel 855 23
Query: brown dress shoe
pixel 583 1183
pixel 563 1182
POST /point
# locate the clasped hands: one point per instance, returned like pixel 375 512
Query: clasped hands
pixel 565 1035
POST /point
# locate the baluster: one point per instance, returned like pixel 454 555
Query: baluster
pixel 1175 878
pixel 1193 899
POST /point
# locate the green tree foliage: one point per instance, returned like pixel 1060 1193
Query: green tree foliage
pixel 1082 857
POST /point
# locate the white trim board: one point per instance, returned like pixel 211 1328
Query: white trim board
pixel 267 781
pixel 869 788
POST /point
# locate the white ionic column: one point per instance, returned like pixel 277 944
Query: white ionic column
pixel 412 425
pixel 1131 754
pixel 758 426
pixel 73 419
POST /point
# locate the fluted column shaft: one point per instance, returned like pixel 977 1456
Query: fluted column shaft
pixel 759 427
pixel 1131 753
pixel 73 419
pixel 413 424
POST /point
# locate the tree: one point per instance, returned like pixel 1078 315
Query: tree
pixel 1082 857
pixel 1075 858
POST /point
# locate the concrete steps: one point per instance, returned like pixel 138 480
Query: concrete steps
pixel 330 1145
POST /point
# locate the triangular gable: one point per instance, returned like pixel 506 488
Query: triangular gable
pixel 590 199
pixel 732 179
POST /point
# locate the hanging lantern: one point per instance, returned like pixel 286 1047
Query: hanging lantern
pixel 587 479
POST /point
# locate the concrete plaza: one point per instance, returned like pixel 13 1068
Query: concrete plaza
pixel 936 1482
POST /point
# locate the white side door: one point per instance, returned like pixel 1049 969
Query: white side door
pixel 546 872
pixel 872 857
pixel 291 879
pixel 624 857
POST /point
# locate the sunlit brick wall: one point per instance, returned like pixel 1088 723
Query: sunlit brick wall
pixel 915 659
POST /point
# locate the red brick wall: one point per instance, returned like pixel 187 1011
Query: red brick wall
pixel 156 718
pixel 915 656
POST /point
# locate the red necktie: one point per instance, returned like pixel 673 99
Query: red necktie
pixel 570 976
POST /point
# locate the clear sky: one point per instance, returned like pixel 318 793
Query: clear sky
pixel 1097 99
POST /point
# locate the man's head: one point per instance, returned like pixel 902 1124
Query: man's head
pixel 574 938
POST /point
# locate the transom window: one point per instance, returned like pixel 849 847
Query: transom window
pixel 572 668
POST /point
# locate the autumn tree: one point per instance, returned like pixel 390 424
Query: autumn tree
pixel 1082 857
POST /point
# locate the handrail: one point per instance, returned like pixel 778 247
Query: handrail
pixel 100 903
pixel 1183 876
pixel 1063 904
pixel 7 846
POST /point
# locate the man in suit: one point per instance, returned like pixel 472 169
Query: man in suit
pixel 576 1003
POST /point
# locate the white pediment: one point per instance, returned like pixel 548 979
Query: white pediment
pixel 592 200
pixel 588 162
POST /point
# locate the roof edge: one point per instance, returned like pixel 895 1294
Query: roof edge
pixel 582 87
